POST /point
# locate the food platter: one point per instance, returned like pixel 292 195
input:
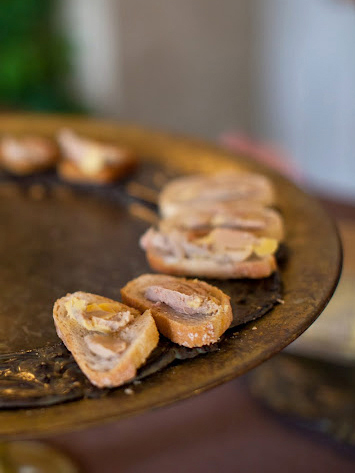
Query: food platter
pixel 42 258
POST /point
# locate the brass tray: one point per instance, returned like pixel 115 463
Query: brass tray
pixel 309 279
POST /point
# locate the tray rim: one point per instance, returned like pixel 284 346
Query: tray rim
pixel 41 421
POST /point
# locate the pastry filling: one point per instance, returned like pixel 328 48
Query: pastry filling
pixel 104 321
pixel 90 156
pixel 221 245
pixel 106 317
pixel 189 298
pixel 105 346
pixel 32 149
pixel 236 215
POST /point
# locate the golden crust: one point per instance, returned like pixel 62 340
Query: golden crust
pixel 183 192
pixel 190 332
pixel 69 171
pixel 134 356
pixel 25 166
pixel 249 269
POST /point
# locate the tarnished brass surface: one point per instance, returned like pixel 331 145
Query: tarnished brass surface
pixel 309 280
pixel 59 238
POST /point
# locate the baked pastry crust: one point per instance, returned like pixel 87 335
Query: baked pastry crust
pixel 140 336
pixel 187 330
pixel 86 160
pixel 70 172
pixel 218 253
pixel 250 269
pixel 185 192
pixel 27 154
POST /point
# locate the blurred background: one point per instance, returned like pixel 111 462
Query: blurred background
pixel 274 78
pixel 279 71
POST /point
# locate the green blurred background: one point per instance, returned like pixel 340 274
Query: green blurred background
pixel 35 58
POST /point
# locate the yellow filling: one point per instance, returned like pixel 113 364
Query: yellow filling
pixel 74 304
pixel 105 317
pixel 194 303
pixel 109 307
pixel 92 162
pixel 265 246
pixel 262 247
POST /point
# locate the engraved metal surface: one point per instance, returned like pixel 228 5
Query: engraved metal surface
pixel 64 237
pixel 309 277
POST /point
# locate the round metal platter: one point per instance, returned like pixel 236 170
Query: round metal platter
pixel 309 278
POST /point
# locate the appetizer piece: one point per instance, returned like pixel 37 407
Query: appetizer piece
pixel 220 253
pixel 90 161
pixel 191 313
pixel 108 340
pixel 185 192
pixel 247 216
pixel 27 154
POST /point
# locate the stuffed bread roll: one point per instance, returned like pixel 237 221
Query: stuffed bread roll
pixel 247 216
pixel 220 253
pixel 108 340
pixel 191 313
pixel 27 154
pixel 185 192
pixel 92 161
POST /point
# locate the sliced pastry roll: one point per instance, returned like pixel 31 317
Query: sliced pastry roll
pixel 221 253
pixel 108 340
pixel 185 192
pixel 27 154
pixel 247 216
pixel 188 312
pixel 92 161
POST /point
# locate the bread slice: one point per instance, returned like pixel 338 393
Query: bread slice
pixel 255 268
pixel 205 189
pixel 70 172
pixel 27 154
pixel 191 313
pixel 219 253
pixel 86 160
pixel 109 347
pixel 247 216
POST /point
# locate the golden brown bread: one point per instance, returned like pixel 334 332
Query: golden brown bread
pixel 70 172
pixel 188 312
pixel 249 269
pixel 86 160
pixel 108 340
pixel 27 154
pixel 206 189
pixel 220 253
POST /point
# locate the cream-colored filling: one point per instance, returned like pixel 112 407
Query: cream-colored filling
pixel 105 346
pixel 239 245
pixel 185 298
pixel 221 244
pixel 28 149
pixel 92 162
pixel 195 302
pixel 265 246
pixel 103 321
pixel 106 317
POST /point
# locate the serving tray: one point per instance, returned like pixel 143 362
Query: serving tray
pixel 64 238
